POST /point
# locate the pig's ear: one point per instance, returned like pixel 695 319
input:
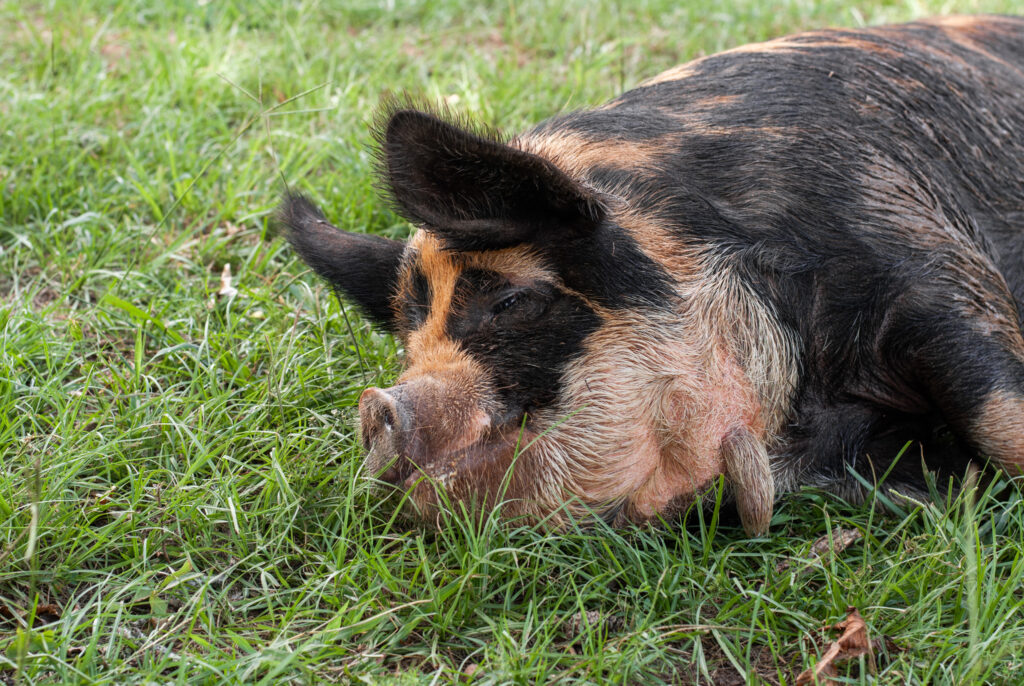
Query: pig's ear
pixel 475 192
pixel 361 266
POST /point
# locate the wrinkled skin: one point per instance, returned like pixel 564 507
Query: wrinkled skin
pixel 775 265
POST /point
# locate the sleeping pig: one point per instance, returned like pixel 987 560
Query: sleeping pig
pixel 775 265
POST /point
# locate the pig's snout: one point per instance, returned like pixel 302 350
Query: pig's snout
pixel 385 419
pixel 381 414
pixel 409 427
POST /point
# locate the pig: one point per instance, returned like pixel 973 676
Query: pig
pixel 764 269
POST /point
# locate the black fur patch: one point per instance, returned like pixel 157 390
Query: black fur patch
pixel 610 268
pixel 524 336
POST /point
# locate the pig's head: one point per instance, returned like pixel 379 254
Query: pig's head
pixel 548 366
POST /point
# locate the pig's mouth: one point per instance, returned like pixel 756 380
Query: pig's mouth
pixel 476 477
pixel 447 465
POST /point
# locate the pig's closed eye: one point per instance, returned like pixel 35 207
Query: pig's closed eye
pixel 507 303
pixel 518 306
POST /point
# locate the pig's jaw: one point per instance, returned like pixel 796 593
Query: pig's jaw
pixel 662 414
pixel 498 470
pixel 647 432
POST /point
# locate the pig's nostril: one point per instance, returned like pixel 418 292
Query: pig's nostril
pixel 381 414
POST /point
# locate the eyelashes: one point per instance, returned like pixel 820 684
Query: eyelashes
pixel 507 303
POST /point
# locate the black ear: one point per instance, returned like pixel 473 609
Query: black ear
pixel 361 266
pixel 475 192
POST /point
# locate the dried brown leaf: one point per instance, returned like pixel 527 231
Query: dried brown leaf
pixel 48 613
pixel 830 544
pixel 839 541
pixel 853 643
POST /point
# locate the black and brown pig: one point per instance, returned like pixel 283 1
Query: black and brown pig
pixel 776 264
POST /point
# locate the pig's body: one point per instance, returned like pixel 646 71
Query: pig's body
pixel 774 264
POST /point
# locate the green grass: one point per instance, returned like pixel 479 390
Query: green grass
pixel 179 489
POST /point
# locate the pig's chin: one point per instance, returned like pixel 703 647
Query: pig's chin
pixel 477 477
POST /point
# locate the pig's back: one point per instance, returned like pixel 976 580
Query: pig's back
pixel 875 142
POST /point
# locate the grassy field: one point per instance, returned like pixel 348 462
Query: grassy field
pixel 180 498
